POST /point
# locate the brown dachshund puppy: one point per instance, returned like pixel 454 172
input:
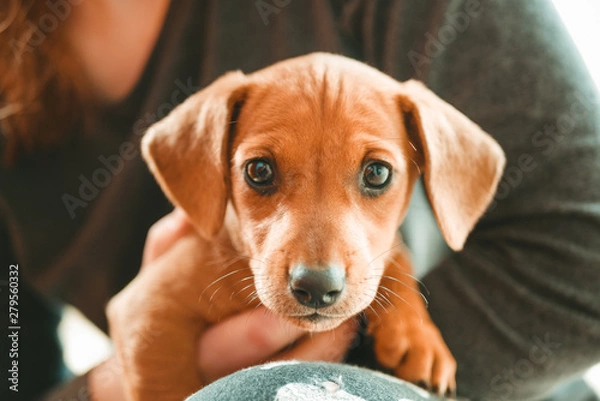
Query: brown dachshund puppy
pixel 297 178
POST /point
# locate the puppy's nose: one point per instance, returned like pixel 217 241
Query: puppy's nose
pixel 317 287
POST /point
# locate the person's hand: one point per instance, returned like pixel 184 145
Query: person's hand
pixel 164 234
pixel 258 336
pixel 246 339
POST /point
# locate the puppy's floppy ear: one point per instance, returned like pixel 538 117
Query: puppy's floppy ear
pixel 187 151
pixel 462 164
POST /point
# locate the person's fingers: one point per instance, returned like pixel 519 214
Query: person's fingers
pixel 164 233
pixel 330 346
pixel 245 339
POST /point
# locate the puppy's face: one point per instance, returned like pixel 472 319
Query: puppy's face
pixel 314 159
pixel 320 177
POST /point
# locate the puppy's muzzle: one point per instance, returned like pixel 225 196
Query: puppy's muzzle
pixel 317 287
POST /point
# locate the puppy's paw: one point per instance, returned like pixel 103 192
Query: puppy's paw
pixel 416 352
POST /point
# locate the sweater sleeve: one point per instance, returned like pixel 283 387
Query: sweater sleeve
pixel 520 307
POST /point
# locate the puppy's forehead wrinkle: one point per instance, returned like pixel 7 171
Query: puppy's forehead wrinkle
pixel 320 87
pixel 310 70
pixel 323 95
pixel 315 103
pixel 379 140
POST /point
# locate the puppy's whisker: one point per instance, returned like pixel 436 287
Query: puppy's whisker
pixel 416 310
pixel 416 165
pixel 246 278
pixel 254 298
pixel 374 296
pixel 254 310
pixel 388 291
pixel 224 276
pixel 247 286
pixel 376 300
pixel 210 303
pixel 249 278
pixel 397 280
pixel 412 145
pixel 233 294
pixel 219 280
pixel 213 295
pixel 386 251
pixel 413 277
pixel 388 303
pixel 251 294
pixel 375 313
pixel 423 297
pixel 409 276
pixel 250 297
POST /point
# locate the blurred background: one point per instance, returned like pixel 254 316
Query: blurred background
pixel 582 18
pixel 85 345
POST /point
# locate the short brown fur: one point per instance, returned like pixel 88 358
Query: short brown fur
pixel 319 118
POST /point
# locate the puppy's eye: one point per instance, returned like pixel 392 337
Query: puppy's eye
pixel 259 173
pixel 376 175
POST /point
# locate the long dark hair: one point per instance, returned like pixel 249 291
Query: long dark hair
pixel 41 90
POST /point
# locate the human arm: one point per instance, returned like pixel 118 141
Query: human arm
pixel 518 306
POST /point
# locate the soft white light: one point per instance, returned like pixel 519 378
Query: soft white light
pixel 84 344
pixel 582 19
